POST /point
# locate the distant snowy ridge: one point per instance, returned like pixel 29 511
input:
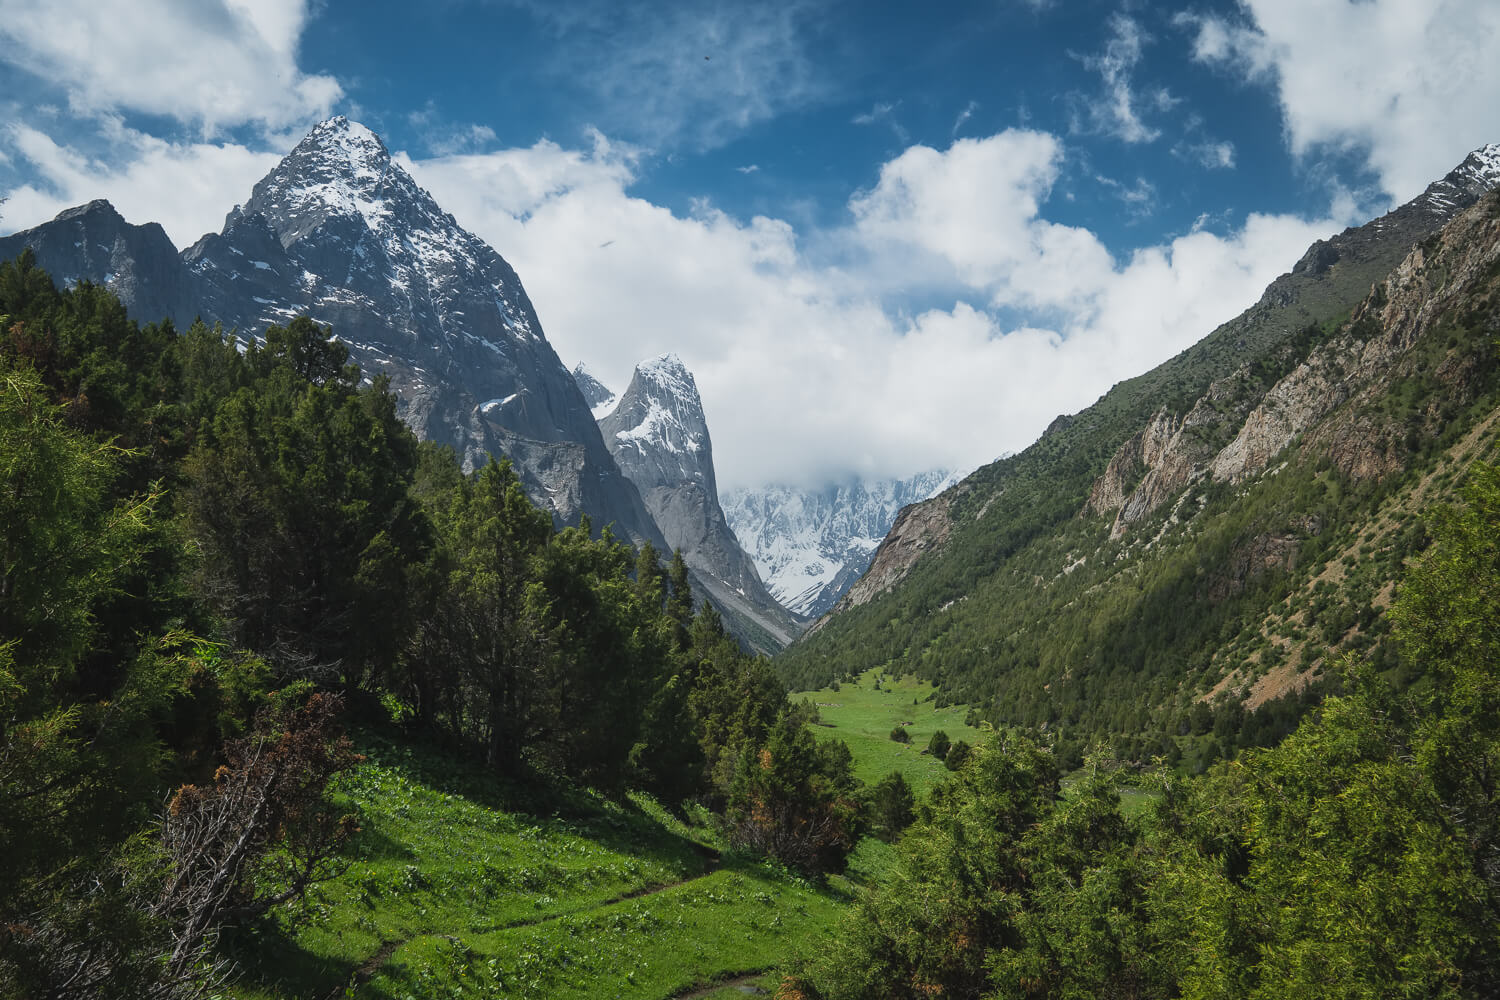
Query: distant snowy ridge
pixel 811 545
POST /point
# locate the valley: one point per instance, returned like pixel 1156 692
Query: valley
pixel 350 645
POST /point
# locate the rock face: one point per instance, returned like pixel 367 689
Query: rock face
pixel 92 242
pixel 1236 428
pixel 600 399
pixel 341 232
pixel 920 528
pixel 659 437
pixel 811 545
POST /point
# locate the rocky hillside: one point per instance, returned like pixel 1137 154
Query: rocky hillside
pixel 659 437
pixel 1206 536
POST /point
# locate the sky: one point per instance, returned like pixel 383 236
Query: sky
pixel 886 237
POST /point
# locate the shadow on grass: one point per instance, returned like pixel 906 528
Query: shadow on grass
pixel 268 958
pixel 371 844
pixel 553 805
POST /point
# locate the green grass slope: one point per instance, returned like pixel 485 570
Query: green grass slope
pixel 451 891
pixel 862 714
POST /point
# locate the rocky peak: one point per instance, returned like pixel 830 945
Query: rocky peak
pixel 340 169
pixel 599 397
pixel 94 242
pixel 658 432
pixel 1464 184
pixel 658 436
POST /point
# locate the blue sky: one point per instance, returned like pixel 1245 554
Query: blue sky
pixel 885 236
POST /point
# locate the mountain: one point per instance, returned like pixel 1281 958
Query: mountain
pixel 811 545
pixel 600 399
pixel 659 437
pixel 93 242
pixel 340 231
pixel 1189 554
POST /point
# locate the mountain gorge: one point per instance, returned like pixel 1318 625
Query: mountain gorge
pixel 1210 533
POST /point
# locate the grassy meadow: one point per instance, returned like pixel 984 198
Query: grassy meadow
pixel 451 892
pixel 863 712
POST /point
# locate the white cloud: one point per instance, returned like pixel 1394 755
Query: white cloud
pixel 963 116
pixel 975 209
pixel 207 63
pixel 444 138
pixel 1411 85
pixel 187 187
pixel 805 375
pixel 1208 154
pixel 884 112
pixel 1118 114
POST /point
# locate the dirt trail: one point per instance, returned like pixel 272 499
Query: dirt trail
pixel 742 982
pixel 713 863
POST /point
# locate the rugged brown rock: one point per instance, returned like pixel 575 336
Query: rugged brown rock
pixel 919 528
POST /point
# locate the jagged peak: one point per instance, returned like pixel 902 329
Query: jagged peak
pixel 598 395
pixel 667 373
pixel 1464 184
pixel 349 140
pixel 1485 160
pixel 341 169
pixel 99 206
pixel 660 412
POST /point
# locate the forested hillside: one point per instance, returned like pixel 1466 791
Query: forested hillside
pixel 214 561
pixel 1175 566
pixel 1355 859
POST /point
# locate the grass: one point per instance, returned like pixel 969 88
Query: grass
pixel 452 891
pixel 862 714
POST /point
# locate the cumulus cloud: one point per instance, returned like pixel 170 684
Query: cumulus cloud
pixel 974 210
pixel 807 374
pixel 1409 85
pixel 187 187
pixel 206 63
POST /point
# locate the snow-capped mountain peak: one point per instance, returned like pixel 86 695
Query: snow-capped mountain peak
pixel 660 418
pixel 340 231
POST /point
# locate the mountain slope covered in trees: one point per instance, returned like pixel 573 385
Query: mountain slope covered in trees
pixel 1178 558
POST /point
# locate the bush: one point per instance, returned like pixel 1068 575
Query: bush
pixel 900 735
pixel 958 753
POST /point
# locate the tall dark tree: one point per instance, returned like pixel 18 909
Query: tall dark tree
pixel 298 501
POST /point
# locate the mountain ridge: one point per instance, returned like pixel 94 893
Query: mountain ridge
pixel 1207 532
